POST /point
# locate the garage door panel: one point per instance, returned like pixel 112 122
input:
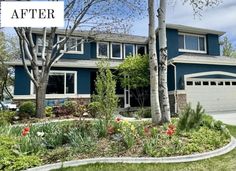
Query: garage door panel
pixel 212 97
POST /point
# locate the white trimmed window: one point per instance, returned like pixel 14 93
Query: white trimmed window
pixel 39 44
pixel 141 49
pixel 102 50
pixel 192 43
pixel 73 45
pixel 116 51
pixel 61 83
pixel 128 50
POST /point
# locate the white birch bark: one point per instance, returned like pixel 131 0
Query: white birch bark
pixel 155 105
pixel 163 89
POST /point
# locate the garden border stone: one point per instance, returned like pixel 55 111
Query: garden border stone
pixel 175 159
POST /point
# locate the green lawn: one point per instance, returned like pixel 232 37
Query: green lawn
pixel 226 162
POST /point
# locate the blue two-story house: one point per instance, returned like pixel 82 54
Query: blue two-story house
pixel 196 71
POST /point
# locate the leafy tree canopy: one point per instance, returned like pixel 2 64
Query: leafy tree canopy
pixel 134 72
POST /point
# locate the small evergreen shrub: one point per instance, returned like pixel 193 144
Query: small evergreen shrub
pixel 105 98
pixel 190 118
pixel 27 109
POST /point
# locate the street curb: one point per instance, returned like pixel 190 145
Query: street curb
pixel 176 159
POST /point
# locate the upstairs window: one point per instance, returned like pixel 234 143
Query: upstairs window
pixel 39 43
pixel 102 50
pixel 128 50
pixel 116 51
pixel 73 45
pixel 141 49
pixel 192 43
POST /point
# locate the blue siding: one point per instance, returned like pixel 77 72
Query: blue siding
pixel 183 69
pixel 22 82
pixel 172 43
pixel 83 81
pixel 213 46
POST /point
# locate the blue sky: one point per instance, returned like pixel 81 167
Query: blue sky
pixel 222 18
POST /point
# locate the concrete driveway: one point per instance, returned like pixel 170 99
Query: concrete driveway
pixel 228 117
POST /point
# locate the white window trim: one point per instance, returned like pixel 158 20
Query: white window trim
pixel 125 51
pixel 59 95
pixel 72 51
pixel 145 48
pixel 98 56
pixel 120 51
pixel 194 51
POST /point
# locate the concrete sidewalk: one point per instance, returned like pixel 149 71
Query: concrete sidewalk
pixel 227 117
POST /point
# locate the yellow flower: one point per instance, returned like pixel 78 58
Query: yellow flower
pixel 132 128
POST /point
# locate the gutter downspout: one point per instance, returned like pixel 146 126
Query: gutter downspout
pixel 175 90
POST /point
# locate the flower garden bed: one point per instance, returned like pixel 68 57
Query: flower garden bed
pixel 62 141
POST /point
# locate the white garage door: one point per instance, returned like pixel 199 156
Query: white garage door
pixel 213 94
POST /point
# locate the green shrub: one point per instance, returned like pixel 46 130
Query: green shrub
pixel 58 154
pixel 93 109
pixel 12 159
pixel 6 117
pixel 71 107
pixel 190 118
pixel 144 113
pixel 27 109
pixel 48 111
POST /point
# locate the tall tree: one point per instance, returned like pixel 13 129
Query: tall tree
pixel 8 51
pixel 163 89
pixel 227 46
pixel 153 64
pixel 88 14
pixel 134 73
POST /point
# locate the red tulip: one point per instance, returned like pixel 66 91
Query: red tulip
pixel 170 132
pixel 146 129
pixel 171 126
pixel 27 129
pixel 118 119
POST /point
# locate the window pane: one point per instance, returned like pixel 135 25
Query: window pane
pixel 202 44
pixel 102 49
pixel 189 83
pixel 129 49
pixel 40 44
pixel 198 83
pixel 213 83
pixel 79 48
pixel 141 49
pixel 71 44
pixel 55 83
pixel 205 83
pixel 181 41
pixel 191 42
pixel 116 51
pixel 70 77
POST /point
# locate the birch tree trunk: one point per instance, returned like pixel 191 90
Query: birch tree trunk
pixel 155 104
pixel 163 89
